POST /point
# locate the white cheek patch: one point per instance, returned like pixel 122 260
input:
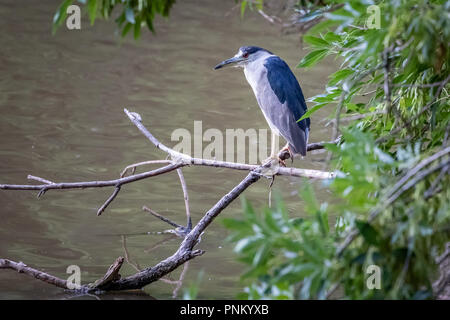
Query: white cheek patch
pixel 239 64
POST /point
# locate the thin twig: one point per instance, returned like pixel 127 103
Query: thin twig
pixel 180 280
pixel 271 19
pixel 424 109
pixel 171 236
pixel 135 265
pixel 135 165
pixel 338 115
pixel 401 278
pixel 157 215
pixel 432 189
pixel 109 200
pixel 353 117
pixel 332 290
pixel 186 199
pixel 94 184
pixel 367 93
pixel 419 85
pixel 30 177
pixel 387 85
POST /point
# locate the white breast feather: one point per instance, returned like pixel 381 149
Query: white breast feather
pixel 253 76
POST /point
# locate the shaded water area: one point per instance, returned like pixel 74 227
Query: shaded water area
pixel 62 100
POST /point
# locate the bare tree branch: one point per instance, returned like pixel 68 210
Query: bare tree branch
pixel 94 184
pixel 186 199
pixel 179 160
pixel 135 265
pixel 157 215
pixel 109 200
pixel 112 280
pixel 111 275
pixel 185 251
pixel 271 19
pixel 30 177
pixel 188 160
pixel 117 183
pixel 179 282
pixel 23 268
pixel 133 166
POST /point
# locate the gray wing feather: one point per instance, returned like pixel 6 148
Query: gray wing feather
pixel 281 99
pixel 283 119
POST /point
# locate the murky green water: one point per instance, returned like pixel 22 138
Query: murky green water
pixel 61 100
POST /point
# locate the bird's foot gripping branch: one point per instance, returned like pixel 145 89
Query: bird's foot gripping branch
pixel 190 234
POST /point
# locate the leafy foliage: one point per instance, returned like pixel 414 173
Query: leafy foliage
pixel 131 14
pixel 390 197
pixel 295 257
pixel 258 4
pixel 191 292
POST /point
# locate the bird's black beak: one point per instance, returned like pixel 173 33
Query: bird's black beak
pixel 228 62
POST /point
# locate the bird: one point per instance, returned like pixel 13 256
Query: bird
pixel 278 94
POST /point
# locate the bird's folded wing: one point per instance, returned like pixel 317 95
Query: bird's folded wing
pixel 283 104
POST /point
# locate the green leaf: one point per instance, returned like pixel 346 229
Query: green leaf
pixel 60 15
pixel 248 244
pixel 328 97
pixel 295 273
pixel 126 29
pixel 92 10
pixel 270 221
pixel 191 292
pixel 261 254
pixel 248 209
pixel 259 4
pixel 312 110
pixel 137 28
pixel 316 42
pixel 332 37
pixel 307 194
pixel 312 58
pixel 149 22
pixel 338 76
pixel 324 25
pixel 243 6
pixel 237 225
pixel 368 232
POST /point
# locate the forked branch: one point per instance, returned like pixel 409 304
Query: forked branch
pixel 192 235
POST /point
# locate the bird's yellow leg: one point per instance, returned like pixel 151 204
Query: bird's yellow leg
pixel 271 164
pixel 273 150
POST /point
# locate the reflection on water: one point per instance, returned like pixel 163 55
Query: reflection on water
pixel 61 99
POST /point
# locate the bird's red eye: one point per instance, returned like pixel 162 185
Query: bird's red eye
pixel 245 55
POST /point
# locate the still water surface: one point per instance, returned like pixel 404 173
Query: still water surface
pixel 61 100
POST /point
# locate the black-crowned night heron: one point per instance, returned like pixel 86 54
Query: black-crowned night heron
pixel 278 94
